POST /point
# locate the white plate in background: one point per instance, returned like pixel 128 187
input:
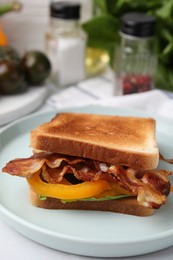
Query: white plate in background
pixel 15 106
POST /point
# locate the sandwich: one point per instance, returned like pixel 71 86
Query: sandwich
pixel 94 162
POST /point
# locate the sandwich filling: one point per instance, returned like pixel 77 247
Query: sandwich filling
pixel 71 178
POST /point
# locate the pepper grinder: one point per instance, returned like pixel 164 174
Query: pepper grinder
pixel 135 60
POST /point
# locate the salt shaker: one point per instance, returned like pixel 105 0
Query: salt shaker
pixel 65 43
pixel 135 60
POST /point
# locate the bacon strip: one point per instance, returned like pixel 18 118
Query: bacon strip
pixel 151 187
pixel 26 167
pixel 164 159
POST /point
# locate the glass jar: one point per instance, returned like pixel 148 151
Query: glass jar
pixel 66 43
pixel 135 62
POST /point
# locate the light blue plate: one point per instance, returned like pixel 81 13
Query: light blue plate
pixel 99 234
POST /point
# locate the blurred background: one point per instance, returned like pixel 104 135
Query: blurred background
pixel 100 19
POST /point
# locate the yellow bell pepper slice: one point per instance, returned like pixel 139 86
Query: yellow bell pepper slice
pixel 115 191
pixel 62 191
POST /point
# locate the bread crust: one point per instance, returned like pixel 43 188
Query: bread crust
pixel 128 205
pixel 138 161
pixel 113 139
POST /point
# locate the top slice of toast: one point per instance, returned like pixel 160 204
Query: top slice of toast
pixel 118 140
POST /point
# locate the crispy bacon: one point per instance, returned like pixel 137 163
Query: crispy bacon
pixel 26 167
pixel 164 159
pixel 151 187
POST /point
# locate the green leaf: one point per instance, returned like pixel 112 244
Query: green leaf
pixel 102 33
pixel 165 42
pixel 123 6
pixel 168 50
pixel 106 198
pixel 164 78
pixel 101 5
pixel 166 10
pixel 111 7
pixel 102 28
pixel 98 199
pixel 41 197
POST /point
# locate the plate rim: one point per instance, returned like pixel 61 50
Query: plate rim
pixel 58 110
pixel 38 94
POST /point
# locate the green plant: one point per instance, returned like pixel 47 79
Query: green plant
pixel 103 31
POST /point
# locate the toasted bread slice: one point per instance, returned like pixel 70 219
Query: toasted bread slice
pixel 118 140
pixel 128 205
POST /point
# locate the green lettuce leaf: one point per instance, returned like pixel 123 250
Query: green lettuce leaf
pixel 41 197
pixel 98 199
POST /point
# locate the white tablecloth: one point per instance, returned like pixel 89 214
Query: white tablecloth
pixel 14 246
